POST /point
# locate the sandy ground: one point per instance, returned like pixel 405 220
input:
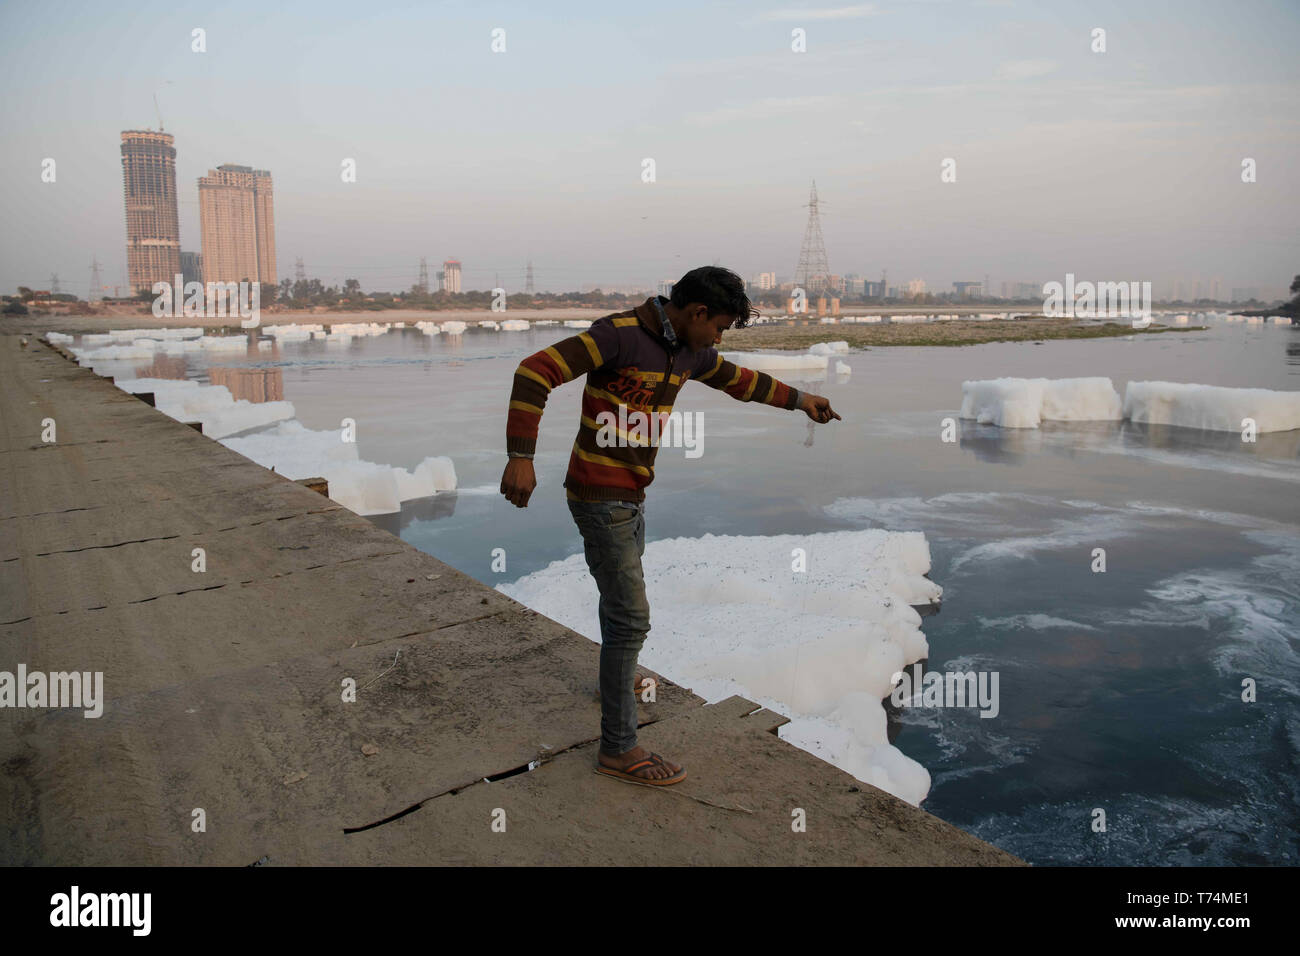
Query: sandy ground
pixel 933 333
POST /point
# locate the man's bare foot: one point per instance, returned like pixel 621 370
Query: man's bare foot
pixel 636 755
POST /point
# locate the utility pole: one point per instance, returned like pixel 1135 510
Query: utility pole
pixel 54 283
pixel 96 283
pixel 424 276
pixel 528 282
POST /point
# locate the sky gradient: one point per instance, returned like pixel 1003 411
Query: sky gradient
pixel 1116 166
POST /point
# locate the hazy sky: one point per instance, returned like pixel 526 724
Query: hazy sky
pixel 1123 165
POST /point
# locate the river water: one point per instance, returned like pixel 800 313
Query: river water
pixel 1120 691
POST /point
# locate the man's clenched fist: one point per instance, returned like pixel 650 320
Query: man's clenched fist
pixel 518 481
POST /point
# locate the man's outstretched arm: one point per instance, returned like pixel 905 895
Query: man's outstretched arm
pixel 747 385
pixel 534 378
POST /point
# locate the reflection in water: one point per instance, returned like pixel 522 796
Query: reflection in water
pixel 164 366
pixel 442 505
pixel 1013 446
pixel 250 384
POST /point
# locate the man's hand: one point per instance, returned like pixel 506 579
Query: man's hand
pixel 518 481
pixel 818 408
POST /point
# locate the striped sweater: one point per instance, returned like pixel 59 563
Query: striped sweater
pixel 628 362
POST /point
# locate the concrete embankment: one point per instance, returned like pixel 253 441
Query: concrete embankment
pixel 223 689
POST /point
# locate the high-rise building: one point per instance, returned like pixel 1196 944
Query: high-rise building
pixel 153 231
pixel 451 276
pixel 191 267
pixel 766 280
pixel 237 220
pixel 666 287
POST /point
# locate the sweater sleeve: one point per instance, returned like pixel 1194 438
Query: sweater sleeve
pixel 744 384
pixel 542 371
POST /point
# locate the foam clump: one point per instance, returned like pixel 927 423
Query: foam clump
pixel 1211 407
pixel 224 343
pixel 366 487
pixel 213 405
pixel 842 368
pixel 291 333
pixel 1025 402
pixel 489 324
pixel 106 353
pixel 766 361
pixel 127 335
pixel 358 328
pixel 58 338
pixel 577 324
pixel 454 327
pixel 429 328
pixel 828 348
pixel 820 646
pixel 514 325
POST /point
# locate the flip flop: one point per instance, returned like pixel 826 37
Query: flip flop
pixel 629 777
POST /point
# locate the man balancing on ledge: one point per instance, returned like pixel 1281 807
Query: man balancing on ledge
pixel 637 359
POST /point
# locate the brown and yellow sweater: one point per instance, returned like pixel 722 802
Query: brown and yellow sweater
pixel 628 362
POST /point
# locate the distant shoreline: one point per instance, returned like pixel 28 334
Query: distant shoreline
pixel 878 335
pixel 801 332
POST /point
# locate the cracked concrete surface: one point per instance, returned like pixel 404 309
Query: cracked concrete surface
pixel 224 689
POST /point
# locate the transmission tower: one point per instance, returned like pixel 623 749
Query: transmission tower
pixel 54 283
pixel 424 276
pixel 96 282
pixel 299 271
pixel 528 282
pixel 813 274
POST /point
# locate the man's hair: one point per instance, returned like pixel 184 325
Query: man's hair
pixel 719 290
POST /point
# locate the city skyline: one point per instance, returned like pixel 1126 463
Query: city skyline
pixel 1119 165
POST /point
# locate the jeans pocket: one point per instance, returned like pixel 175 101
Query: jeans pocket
pixel 620 516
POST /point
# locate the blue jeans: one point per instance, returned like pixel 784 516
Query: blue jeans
pixel 613 537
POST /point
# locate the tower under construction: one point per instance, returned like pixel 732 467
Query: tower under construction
pixel 153 232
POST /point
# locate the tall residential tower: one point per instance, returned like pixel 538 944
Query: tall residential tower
pixel 153 232
pixel 237 222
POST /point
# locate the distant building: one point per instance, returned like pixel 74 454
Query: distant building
pixel 1021 290
pixel 451 275
pixel 192 267
pixel 153 232
pixel 916 287
pixel 873 290
pixel 967 290
pixel 1245 294
pixel 766 280
pixel 666 287
pixel 854 285
pixel 237 222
